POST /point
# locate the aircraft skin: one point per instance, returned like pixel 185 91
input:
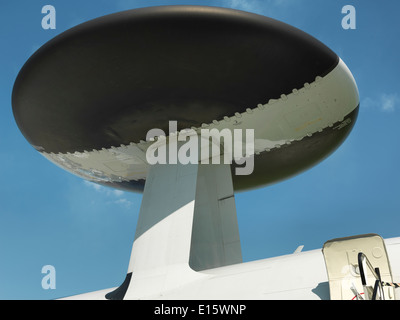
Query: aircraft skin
pixel 297 276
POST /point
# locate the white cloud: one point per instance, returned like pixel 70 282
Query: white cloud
pixel 389 102
pixel 89 184
pixel 104 190
pixel 249 5
pixel 118 193
pixel 109 193
pixel 123 202
pixel 256 6
pixel 385 102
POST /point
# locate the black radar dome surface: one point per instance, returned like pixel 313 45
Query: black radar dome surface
pixel 107 82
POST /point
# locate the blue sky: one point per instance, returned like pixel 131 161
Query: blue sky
pixel 50 217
